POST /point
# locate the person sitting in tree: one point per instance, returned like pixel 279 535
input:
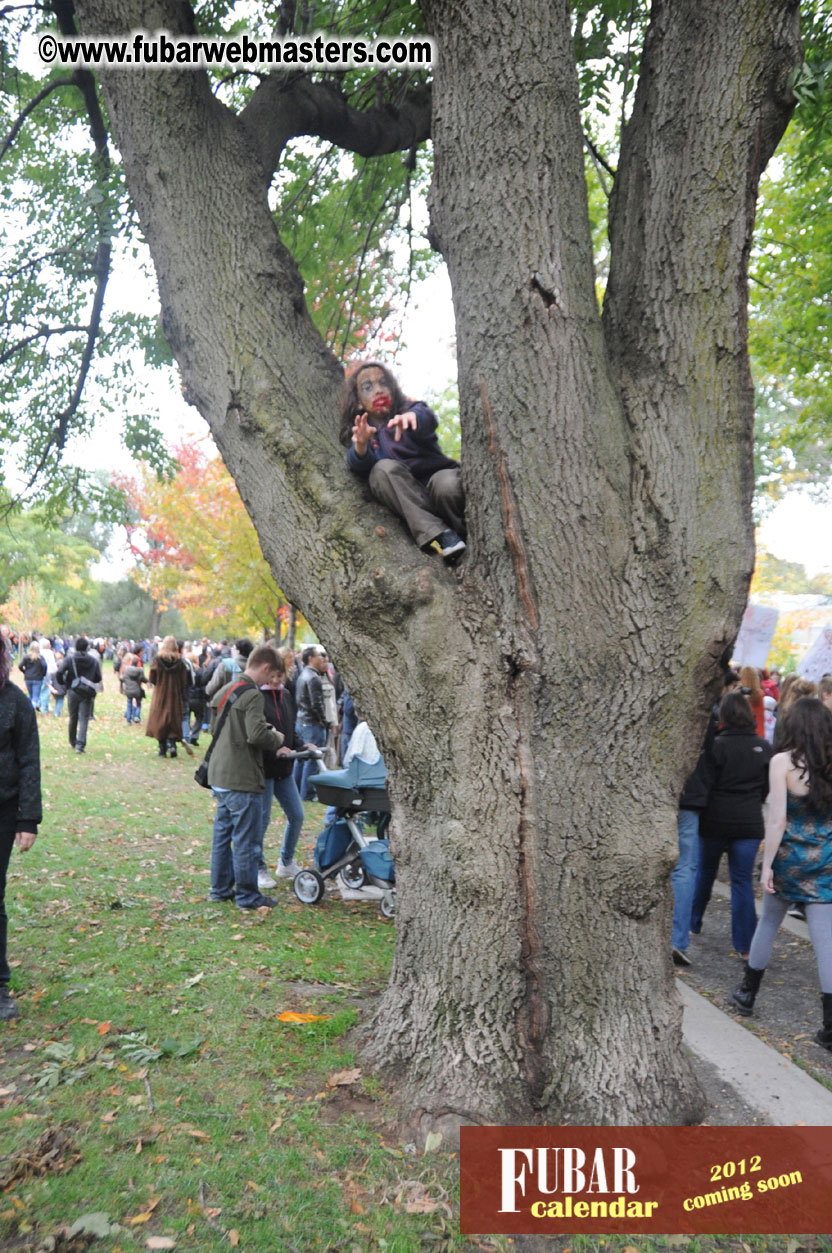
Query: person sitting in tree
pixel 392 444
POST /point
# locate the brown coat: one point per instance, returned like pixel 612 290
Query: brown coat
pixel 170 681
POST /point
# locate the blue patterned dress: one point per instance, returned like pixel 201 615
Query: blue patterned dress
pixel 803 863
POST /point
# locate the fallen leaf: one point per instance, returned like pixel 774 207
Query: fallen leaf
pixel 343 1078
pixel 8 1091
pixel 103 1028
pixel 233 1237
pixel 190 983
pixel 251 1186
pixel 433 1141
pixel 110 1116
pixel 197 1135
pixel 160 1242
pixel 140 1218
pixel 423 1206
pixel 291 1015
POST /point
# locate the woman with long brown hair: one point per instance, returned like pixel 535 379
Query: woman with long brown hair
pixel 797 856
pixel 169 678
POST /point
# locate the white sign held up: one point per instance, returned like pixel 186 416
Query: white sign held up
pixel 759 623
pixel 818 660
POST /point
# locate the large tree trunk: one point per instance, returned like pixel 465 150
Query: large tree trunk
pixel 538 709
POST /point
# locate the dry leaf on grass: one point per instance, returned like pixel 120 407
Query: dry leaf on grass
pixel 160 1242
pixel 343 1078
pixel 415 1198
pixel 233 1237
pixel 291 1015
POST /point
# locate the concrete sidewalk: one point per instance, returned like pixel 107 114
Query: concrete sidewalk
pixel 763 1083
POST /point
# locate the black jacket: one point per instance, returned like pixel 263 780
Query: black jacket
pixel 738 784
pixel 33 668
pixel 86 666
pixel 310 697
pixel 279 708
pixel 19 758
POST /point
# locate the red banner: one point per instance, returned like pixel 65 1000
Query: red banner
pixel 659 1180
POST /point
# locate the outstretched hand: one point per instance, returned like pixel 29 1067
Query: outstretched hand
pixel 403 422
pixel 361 433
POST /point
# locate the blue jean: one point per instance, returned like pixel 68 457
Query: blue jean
pixel 288 798
pixel 235 849
pixel 684 876
pixel 59 706
pixel 310 733
pixel 45 693
pixel 133 711
pixel 34 688
pixel 741 855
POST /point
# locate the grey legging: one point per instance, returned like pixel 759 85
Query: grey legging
pixel 819 920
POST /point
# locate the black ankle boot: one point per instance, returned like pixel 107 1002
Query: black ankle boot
pixel 745 993
pixel 172 747
pixel 824 1036
pixel 163 748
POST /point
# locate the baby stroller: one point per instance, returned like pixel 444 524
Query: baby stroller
pixel 363 865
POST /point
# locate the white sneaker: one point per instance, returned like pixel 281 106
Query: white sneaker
pixel 265 881
pixel 288 872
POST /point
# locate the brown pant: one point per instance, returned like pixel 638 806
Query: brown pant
pixel 426 509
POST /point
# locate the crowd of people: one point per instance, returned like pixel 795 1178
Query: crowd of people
pixel 262 703
pixel 763 778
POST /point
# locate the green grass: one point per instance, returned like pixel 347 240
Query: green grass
pixel 149 1079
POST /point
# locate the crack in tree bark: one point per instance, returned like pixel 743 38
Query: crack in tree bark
pixel 515 543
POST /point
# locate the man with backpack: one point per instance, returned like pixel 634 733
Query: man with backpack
pixel 237 778
pixel 80 675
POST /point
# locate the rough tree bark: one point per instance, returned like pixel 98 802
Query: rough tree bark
pixel 539 707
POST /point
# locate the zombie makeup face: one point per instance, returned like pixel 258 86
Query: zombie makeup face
pixel 374 392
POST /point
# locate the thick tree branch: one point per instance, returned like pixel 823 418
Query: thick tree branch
pixel 30 108
pixel 283 108
pixel 45 333
pixel 65 15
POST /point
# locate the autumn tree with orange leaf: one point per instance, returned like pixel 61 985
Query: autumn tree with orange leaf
pixel 196 548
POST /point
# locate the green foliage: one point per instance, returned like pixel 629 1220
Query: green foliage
pixel 52 560
pixel 774 574
pixel 67 211
pixel 791 316
pixel 124 611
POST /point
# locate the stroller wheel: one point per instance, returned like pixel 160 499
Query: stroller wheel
pixel 387 904
pixel 308 887
pixel 353 875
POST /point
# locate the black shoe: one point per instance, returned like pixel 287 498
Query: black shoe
pixel 680 958
pixel 163 750
pixel 452 546
pixel 79 748
pixel 8 1005
pixel 798 910
pixel 745 993
pixel 824 1036
pixel 267 902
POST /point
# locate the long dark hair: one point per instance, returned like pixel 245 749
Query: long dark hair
pixel 349 405
pixel 807 736
pixel 5 661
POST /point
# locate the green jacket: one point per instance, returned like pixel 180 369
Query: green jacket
pixel 237 757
